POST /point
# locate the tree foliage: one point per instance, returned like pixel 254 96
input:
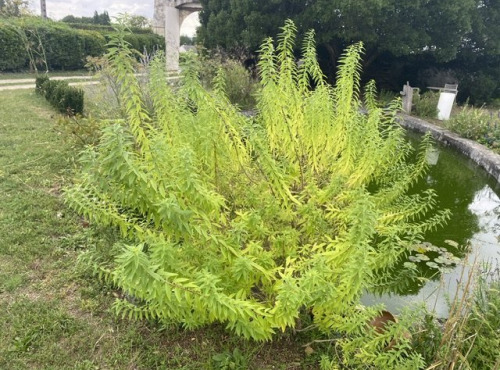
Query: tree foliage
pixel 14 8
pixel 251 221
pixel 138 21
pixel 403 38
pixel 400 27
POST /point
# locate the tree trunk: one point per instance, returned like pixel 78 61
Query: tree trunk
pixel 333 55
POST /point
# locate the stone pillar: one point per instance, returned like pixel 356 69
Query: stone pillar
pixel 43 9
pixel 407 94
pixel 159 18
pixel 172 38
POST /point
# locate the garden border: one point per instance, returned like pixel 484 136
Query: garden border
pixel 480 154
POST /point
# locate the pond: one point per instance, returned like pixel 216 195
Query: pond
pixel 473 232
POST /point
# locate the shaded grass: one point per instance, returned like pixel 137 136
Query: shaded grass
pixel 53 315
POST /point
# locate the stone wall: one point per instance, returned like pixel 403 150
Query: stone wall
pixel 481 155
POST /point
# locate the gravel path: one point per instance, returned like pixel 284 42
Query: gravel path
pixel 32 85
pixel 22 81
pixel 29 83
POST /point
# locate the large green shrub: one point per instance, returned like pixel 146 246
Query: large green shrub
pixel 12 52
pixel 251 221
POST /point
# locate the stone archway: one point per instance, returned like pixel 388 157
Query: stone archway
pixel 167 21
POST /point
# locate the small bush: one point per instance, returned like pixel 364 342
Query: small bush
pixel 425 105
pixel 48 88
pixel 39 84
pixel 72 101
pixel 79 131
pixel 60 95
pixel 239 85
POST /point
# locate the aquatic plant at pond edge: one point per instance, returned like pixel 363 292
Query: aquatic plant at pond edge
pixel 476 124
pixel 250 222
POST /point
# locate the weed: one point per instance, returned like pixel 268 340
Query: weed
pixel 468 338
pixel 385 97
pixel 229 360
pixel 425 105
pixel 477 124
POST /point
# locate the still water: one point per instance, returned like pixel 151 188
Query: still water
pixel 473 232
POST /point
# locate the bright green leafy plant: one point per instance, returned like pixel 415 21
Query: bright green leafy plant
pixel 251 221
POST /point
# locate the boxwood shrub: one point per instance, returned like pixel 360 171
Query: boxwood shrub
pixel 65 98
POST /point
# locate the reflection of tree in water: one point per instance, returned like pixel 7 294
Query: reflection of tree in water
pixel 486 203
pixel 457 183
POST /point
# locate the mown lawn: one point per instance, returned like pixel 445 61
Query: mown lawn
pixel 55 316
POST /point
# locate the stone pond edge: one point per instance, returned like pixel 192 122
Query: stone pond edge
pixel 478 153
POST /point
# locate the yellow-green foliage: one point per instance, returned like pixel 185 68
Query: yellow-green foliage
pixel 248 221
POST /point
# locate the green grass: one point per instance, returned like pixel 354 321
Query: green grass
pixel 53 315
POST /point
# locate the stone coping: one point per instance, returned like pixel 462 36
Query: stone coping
pixel 481 155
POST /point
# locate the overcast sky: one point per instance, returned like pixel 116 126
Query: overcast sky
pixel 57 9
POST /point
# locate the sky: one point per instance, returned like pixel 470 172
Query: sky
pixel 58 9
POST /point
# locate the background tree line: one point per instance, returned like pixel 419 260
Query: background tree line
pixel 102 19
pixel 426 42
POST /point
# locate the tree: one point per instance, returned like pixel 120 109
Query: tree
pixel 102 19
pixel 136 21
pixel 186 40
pixel 14 8
pixel 401 27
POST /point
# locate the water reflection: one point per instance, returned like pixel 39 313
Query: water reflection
pixel 474 229
pixel 486 206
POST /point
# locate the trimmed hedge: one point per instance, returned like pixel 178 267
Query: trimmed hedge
pixel 104 28
pixel 65 48
pixel 12 51
pixel 40 83
pixel 65 98
pixel 149 42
